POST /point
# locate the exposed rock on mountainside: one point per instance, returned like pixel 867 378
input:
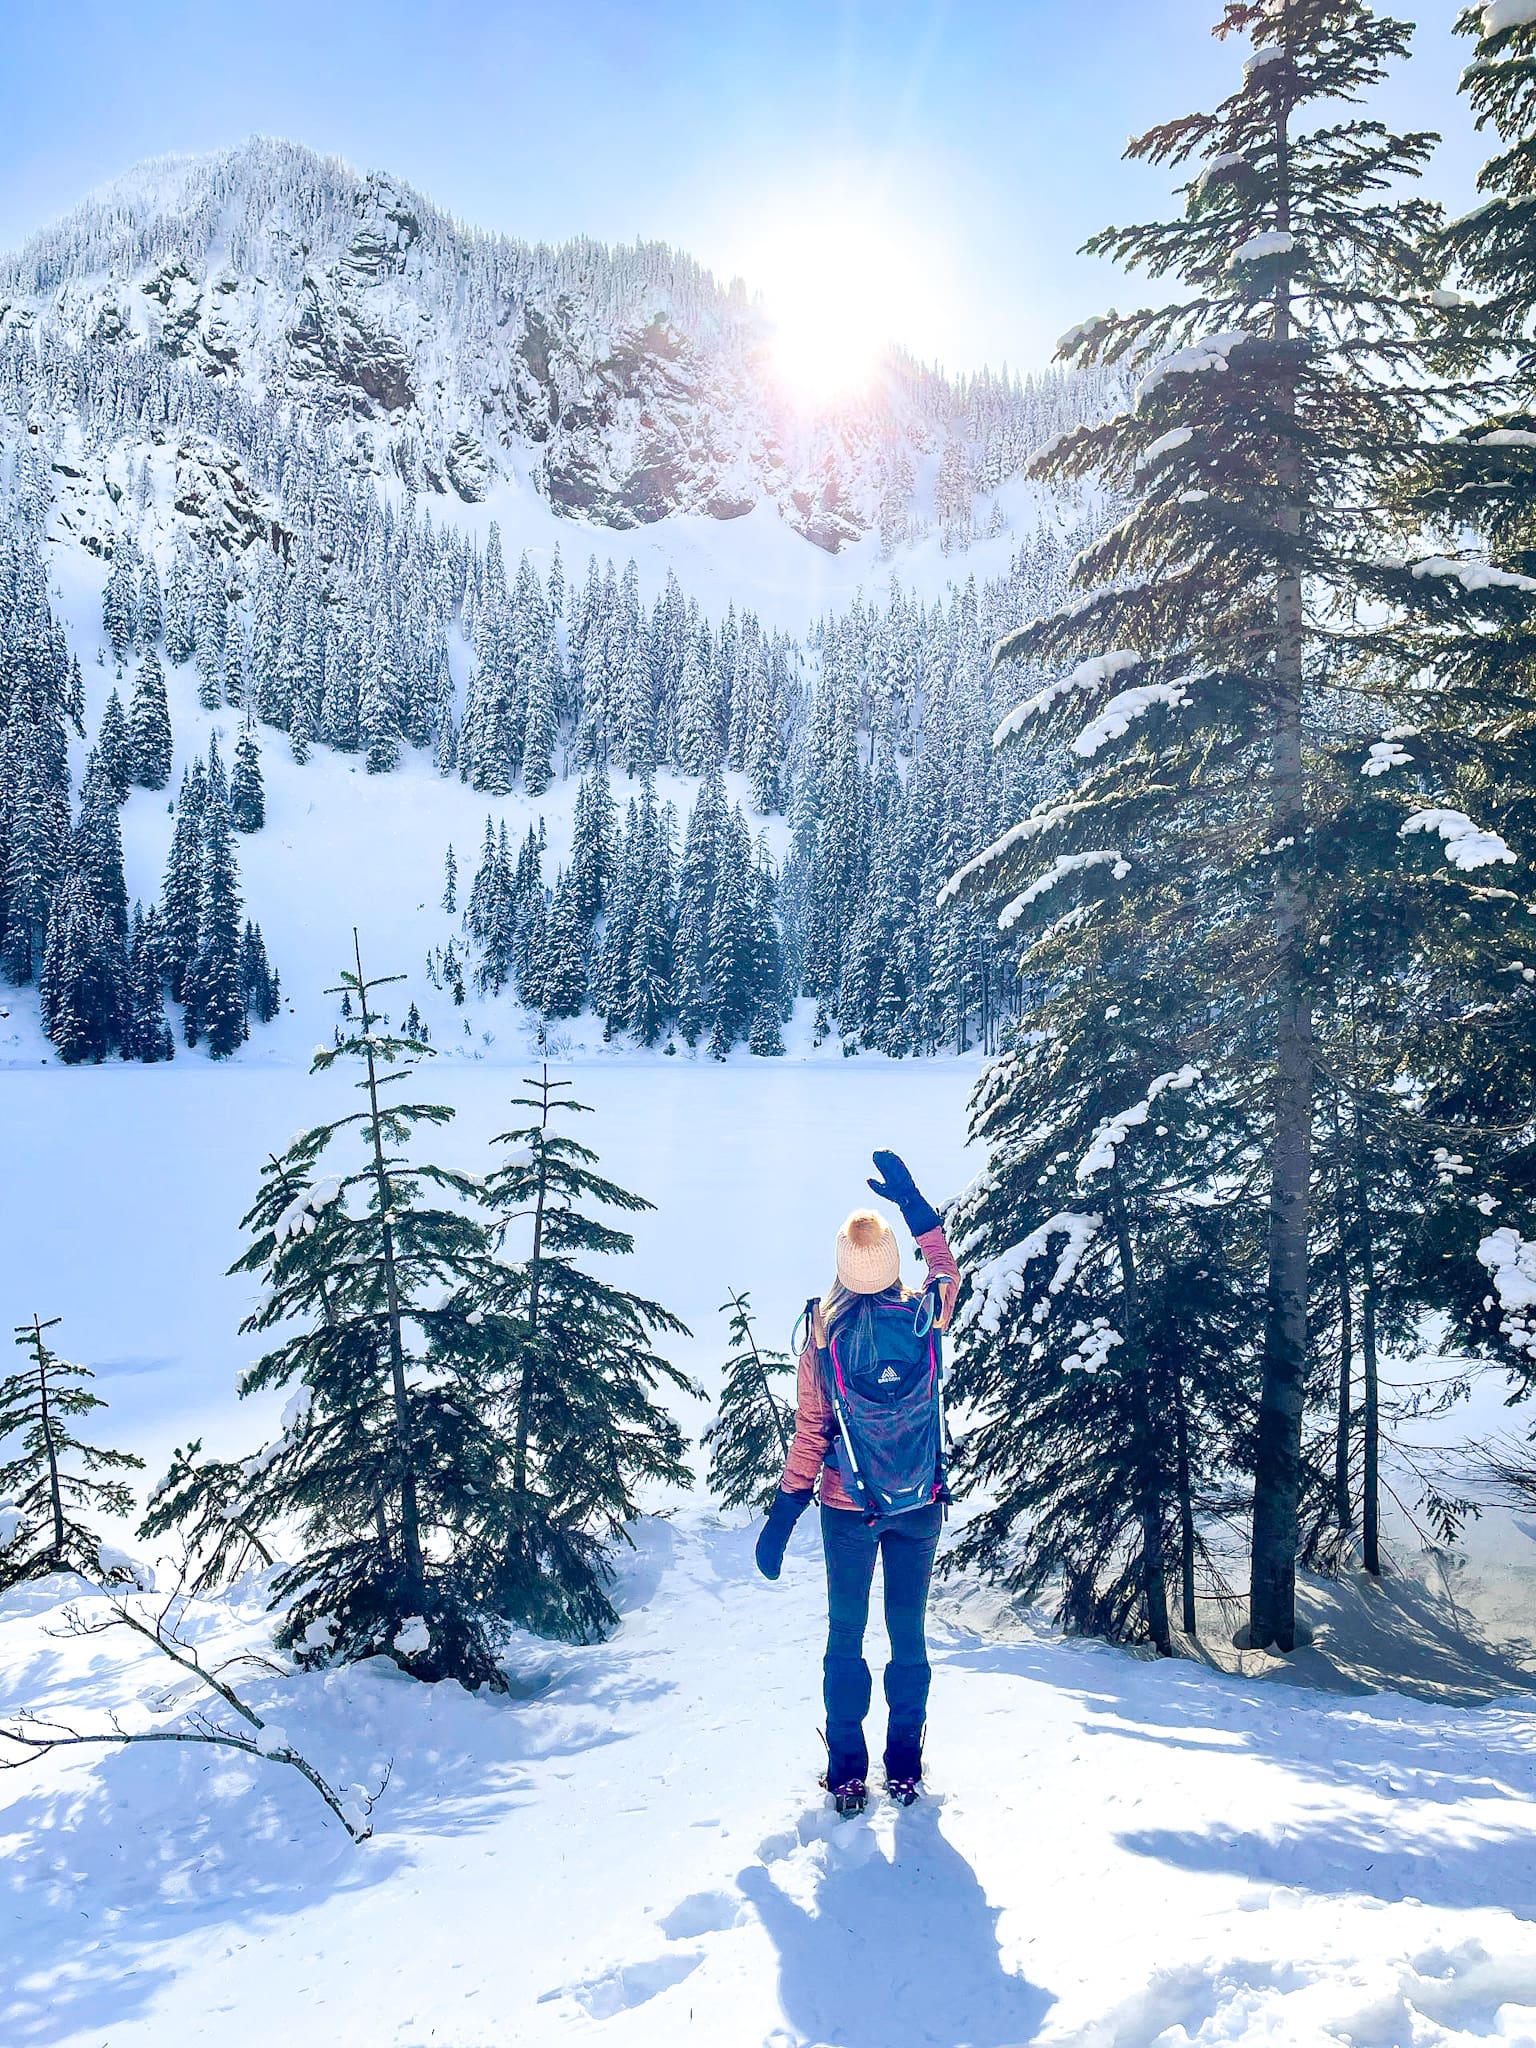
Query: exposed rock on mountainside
pixel 626 383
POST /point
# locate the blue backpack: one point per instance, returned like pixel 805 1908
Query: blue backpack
pixel 883 1374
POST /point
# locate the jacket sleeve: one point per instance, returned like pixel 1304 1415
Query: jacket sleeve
pixel 813 1426
pixel 942 1265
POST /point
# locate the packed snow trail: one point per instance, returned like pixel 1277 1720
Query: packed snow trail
pixel 1117 1852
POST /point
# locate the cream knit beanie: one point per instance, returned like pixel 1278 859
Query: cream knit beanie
pixel 868 1257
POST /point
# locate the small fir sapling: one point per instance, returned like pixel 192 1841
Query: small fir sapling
pixel 49 1482
pixel 577 1374
pixel 391 1445
pixel 750 1436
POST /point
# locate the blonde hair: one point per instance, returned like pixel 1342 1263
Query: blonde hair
pixel 838 1299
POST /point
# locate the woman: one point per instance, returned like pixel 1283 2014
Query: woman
pixel 852 1533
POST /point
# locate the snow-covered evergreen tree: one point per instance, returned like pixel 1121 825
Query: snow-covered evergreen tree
pixel 84 978
pixel 389 1454
pixel 260 989
pixel 147 1035
pixel 579 1376
pixel 120 605
pixel 50 1478
pixel 151 607
pixel 150 725
pixel 1241 615
pixel 213 994
pixel 247 795
pixel 181 894
pixel 114 749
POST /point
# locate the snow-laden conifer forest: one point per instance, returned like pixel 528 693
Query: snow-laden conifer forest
pixel 503 808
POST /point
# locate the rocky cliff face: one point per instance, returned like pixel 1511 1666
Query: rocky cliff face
pixel 627 382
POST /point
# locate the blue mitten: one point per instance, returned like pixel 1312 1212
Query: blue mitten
pixel 897 1185
pixel 773 1538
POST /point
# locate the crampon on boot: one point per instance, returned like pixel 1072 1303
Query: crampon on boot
pixel 849 1795
pixel 903 1772
pixel 847 1769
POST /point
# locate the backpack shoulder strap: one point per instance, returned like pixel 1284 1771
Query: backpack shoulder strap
pixel 805 1331
pixel 930 1304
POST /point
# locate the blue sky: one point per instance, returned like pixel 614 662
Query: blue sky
pixel 972 146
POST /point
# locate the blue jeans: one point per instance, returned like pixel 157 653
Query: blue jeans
pixel 905 1545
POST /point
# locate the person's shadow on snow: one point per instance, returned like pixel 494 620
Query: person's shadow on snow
pixel 897 1952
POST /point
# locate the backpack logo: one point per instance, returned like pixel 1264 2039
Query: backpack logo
pixel 888 1378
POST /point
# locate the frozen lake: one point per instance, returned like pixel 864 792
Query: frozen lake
pixel 123 1190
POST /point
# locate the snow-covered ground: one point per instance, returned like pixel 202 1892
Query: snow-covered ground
pixel 630 1848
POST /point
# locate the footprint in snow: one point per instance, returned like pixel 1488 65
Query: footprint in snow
pixel 630 1984
pixel 701 1913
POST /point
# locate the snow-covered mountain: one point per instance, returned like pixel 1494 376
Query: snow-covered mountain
pixel 627 384
pixel 284 449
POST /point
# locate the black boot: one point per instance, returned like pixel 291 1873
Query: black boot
pixel 847 1688
pixel 906 1693
pixel 904 1770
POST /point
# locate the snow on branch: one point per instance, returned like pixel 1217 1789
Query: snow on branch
pixel 1094 1341
pixel 1122 712
pixel 1259 248
pixel 1466 845
pixel 1260 60
pixel 1088 675
pixel 1501 437
pixel 1512 1262
pixel 1027 828
pixel 1165 444
pixel 1212 352
pixel 1085 330
pixel 1222 165
pixel 1063 865
pixel 1384 754
pixel 1114 1131
pixel 995 1283
pixel 1499 15
pixel 303 1212
pixel 1472 576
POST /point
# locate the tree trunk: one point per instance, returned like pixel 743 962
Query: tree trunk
pixel 55 1489
pixel 1277 1458
pixel 1343 1510
pixel 1149 1492
pixel 1370 1488
pixel 405 1450
pixel 525 1378
pixel 1186 1509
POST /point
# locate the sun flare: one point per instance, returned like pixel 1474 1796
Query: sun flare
pixel 833 275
